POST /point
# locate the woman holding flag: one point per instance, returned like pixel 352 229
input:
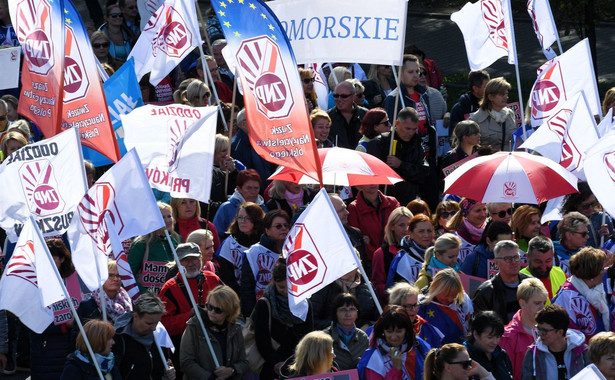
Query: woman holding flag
pixel 111 296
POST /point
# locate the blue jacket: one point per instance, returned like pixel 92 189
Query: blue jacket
pixel 482 254
pixel 242 150
pixel 228 210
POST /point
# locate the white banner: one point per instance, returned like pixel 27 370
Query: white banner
pixel 607 124
pixel 363 31
pixel 9 61
pixel 544 26
pixel 600 171
pixel 47 180
pixel 562 78
pixel 487 32
pixel 176 147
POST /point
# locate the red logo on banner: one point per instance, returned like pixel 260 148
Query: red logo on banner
pixel 21 263
pixel 609 164
pixel 545 96
pixel 173 38
pixel 177 131
pixel 558 122
pixel 92 211
pixel 305 268
pixel 37 50
pixel 510 189
pixel 39 186
pixel 76 82
pixel 571 156
pixel 493 16
pixel 302 267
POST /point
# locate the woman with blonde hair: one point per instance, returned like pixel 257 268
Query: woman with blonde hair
pixel 452 362
pixel 307 79
pixel 321 124
pixel 495 119
pixel 220 318
pixel 609 101
pixel 198 94
pixel 112 296
pixel 179 95
pixel 187 215
pixel 442 255
pixel 11 142
pixel 313 355
pixel 447 306
pixel 287 196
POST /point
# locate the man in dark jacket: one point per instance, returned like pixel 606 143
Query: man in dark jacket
pixel 500 293
pixel 407 157
pixel 345 117
pixel 468 102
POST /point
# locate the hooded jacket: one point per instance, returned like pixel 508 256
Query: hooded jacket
pixel 482 254
pixel 515 342
pixel 539 363
pixel 499 365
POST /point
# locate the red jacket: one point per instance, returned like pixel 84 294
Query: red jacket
pixel 379 272
pixel 176 301
pixel 515 342
pixel 371 221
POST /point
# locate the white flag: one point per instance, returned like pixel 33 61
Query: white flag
pixel 147 8
pixel 600 171
pixel 124 193
pixel 562 78
pixel 544 26
pixel 607 124
pixel 487 32
pixel 162 337
pixel 320 85
pixel 316 253
pixel 169 36
pixel 176 147
pixel 119 254
pixel 19 286
pixel 565 138
pixel 47 180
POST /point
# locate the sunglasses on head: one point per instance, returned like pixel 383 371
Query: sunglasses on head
pixel 343 96
pixel 503 213
pixel 102 45
pixel 213 308
pixel 308 80
pixel 464 363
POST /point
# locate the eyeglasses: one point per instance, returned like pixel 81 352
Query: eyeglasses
pixel 213 308
pixel 103 45
pixel 343 96
pixel 446 214
pixel 244 219
pixel 464 363
pixel 281 226
pixel 541 331
pixel 586 206
pixel 386 122
pixel 510 259
pixel 350 310
pixel 411 306
pixel 115 15
pixel 583 234
pixel 308 80
pixel 503 213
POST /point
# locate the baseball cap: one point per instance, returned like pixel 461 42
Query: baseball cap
pixel 188 250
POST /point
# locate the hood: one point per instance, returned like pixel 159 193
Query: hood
pixel 237 199
pixel 483 250
pixel 123 326
pixel 573 337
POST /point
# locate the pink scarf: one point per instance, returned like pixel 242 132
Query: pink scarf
pixel 115 307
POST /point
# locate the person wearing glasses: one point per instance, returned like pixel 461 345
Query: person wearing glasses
pixel 573 235
pixel 346 116
pixel 465 142
pixel 307 80
pixel 394 351
pixel 518 334
pixel 600 225
pixel 452 362
pixel 198 94
pixel 481 262
pixel 500 293
pixel 443 213
pixel 219 316
pixel 526 225
pixel 100 45
pixel 582 295
pixel 131 15
pixel 500 211
pixel 349 341
pixel 559 352
pixel 112 296
pixel 540 265
pixel 260 258
pixel 321 124
pixel 120 36
pixel 485 333
pixel 375 122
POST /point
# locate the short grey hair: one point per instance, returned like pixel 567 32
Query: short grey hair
pixel 347 84
pixel 539 243
pixel 571 222
pixel 148 303
pixel 504 244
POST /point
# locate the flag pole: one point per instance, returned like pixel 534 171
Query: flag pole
pixel 514 48
pixel 197 312
pixel 230 131
pixel 68 299
pixel 398 97
pixel 164 359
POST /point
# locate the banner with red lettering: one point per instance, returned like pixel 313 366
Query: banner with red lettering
pixel 85 106
pixel 280 130
pixel 39 25
pixel 176 147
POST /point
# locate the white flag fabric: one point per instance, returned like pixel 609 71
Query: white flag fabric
pixel 176 147
pixel 562 78
pixel 487 32
pixel 124 193
pixel 162 337
pixel 147 8
pixel 316 253
pixel 544 26
pixel 552 211
pixel 169 36
pixel 607 124
pixel 47 180
pixel 565 138
pixel 19 286
pixel 9 61
pixel 600 171
pixel 320 85
pixel 119 254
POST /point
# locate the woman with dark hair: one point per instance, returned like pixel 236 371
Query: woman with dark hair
pixel 479 262
pixel 465 142
pixel 373 123
pixel 452 362
pixel 349 342
pixel 244 232
pixel 486 330
pixel 444 212
pixel 468 223
pixel 260 258
pixel 394 351
pixel 279 331
pixel 120 36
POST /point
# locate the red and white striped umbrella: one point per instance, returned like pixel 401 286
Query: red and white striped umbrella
pixel 510 177
pixel 344 167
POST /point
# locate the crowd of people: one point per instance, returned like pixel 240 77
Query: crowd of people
pixel 544 307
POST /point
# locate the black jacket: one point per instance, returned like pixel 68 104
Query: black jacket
pixel 466 105
pixel 500 365
pixel 322 304
pixel 490 296
pixel 75 369
pixel 347 133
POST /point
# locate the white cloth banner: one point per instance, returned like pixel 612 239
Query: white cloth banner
pixel 320 85
pixel 316 253
pixel 487 32
pixel 176 147
pixel 562 78
pixel 9 61
pixel 169 36
pixel 147 8
pixel 607 124
pixel 600 171
pixel 123 267
pixel 544 26
pixel 162 337
pixel 351 31
pixel 47 180
pixel 124 193
pixel 19 286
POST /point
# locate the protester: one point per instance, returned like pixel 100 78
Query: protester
pixel 346 116
pixel 582 295
pixel 321 124
pixel 482 345
pixel 609 100
pixel 469 102
pixel 8 37
pixel 379 84
pixel 80 364
pixel 226 75
pixel 131 15
pixel 469 224
pixel 495 119
pixel 198 94
pixel 100 45
pixel 526 225
pixel 435 100
pixel 4 122
pixel 374 123
pixel 307 79
pixel 442 214
pixel 220 318
pixel 518 334
pixel 242 150
pixel 314 355
pixel 441 364
pixel 150 254
pixel 419 206
pixel 225 94
pixel 349 342
pixel 447 307
pixel 442 255
pixel 481 262
pixel 277 324
pixel 11 142
pixel 112 296
pixel 187 216
pixel 223 178
pixel 135 349
pixel 11 103
pixel 559 352
pixel 354 234
pixel 204 239
pixel 394 351
pixel 500 211
pixel 288 196
pixel 540 265
pixel 601 352
pixel 573 235
pixel 121 38
pixel 338 75
pixel 260 258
